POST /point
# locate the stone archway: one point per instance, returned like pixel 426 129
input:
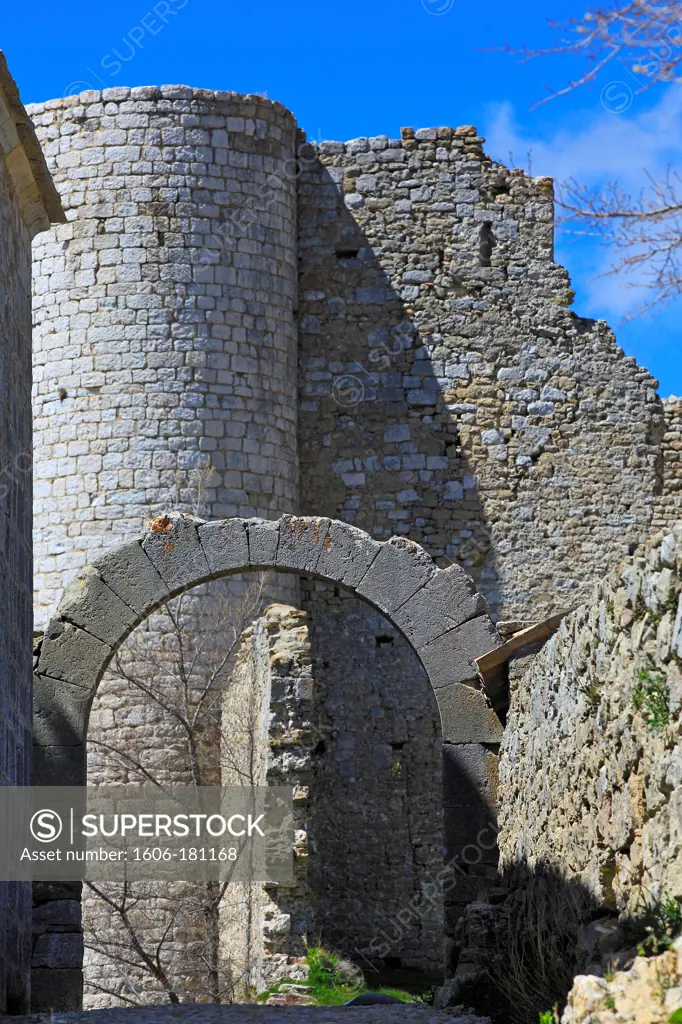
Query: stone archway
pixel 437 610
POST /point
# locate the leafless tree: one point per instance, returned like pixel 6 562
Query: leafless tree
pixel 640 44
pixel 176 671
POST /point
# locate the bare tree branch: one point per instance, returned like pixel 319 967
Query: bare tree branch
pixel 644 37
pixel 179 663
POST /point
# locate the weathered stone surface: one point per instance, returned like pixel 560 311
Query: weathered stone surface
pixel 58 950
pixel 89 603
pixel 301 540
pixel 466 716
pixel 400 568
pixel 124 427
pixel 594 736
pixel 172 544
pixel 58 991
pixel 263 537
pixel 129 573
pixel 28 204
pixel 225 544
pixel 449 597
pixel 450 658
pixel 60 712
pixel 58 765
pixel 470 776
pixel 648 993
pixel 346 554
pixel 70 653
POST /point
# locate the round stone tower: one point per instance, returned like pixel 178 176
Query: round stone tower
pixel 165 342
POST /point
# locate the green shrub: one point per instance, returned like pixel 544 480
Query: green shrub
pixel 652 697
pixel 662 924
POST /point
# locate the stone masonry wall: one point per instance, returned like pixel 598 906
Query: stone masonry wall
pixel 591 761
pixel 376 813
pixel 27 204
pixel 447 392
pixel 271 720
pixel 15 563
pixel 669 505
pixel 164 351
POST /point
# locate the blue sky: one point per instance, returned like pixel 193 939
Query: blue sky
pixel 368 69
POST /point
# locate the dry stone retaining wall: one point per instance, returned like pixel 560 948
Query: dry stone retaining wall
pixel 590 765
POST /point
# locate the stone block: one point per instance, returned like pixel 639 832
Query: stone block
pixel 450 658
pixel 58 990
pixel 132 577
pixel 466 716
pixel 57 916
pixel 172 545
pixel 89 603
pixel 470 775
pixel 347 554
pixel 448 599
pixel 58 765
pixel 225 544
pixel 301 540
pixel 70 653
pixel 400 568
pixel 468 836
pixel 60 712
pixel 58 950
pixel 263 537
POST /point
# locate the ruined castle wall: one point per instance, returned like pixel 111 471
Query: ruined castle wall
pixel 271 720
pixel 448 393
pixel 27 204
pixel 591 760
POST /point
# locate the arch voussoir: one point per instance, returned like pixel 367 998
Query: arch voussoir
pixel 131 575
pixel 451 657
pixel 172 545
pixel 88 602
pixel 72 654
pixel 448 599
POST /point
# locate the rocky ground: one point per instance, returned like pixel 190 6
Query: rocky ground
pixel 649 993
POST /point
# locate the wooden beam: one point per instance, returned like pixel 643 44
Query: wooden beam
pixel 524 638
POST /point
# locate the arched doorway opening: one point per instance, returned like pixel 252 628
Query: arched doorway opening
pixel 438 612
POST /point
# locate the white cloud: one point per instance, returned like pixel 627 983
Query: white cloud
pixel 626 147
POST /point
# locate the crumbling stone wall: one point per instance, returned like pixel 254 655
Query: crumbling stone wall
pixel 271 719
pixel 590 798
pixel 590 761
pixel 28 203
pixel 448 393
